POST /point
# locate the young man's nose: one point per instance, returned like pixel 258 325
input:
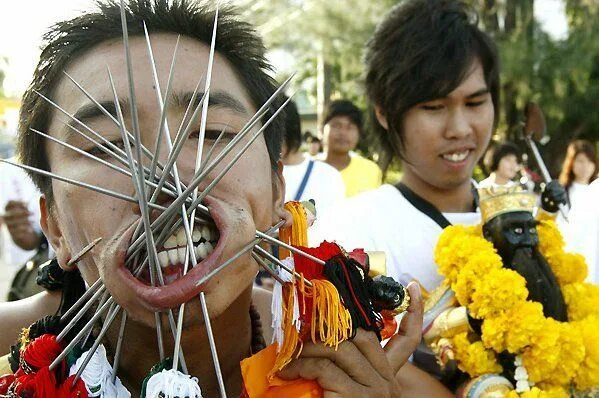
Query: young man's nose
pixel 458 125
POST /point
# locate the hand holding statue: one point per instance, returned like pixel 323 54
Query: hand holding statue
pixel 360 367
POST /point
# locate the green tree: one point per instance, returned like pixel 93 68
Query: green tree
pixel 326 38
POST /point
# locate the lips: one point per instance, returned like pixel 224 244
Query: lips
pixel 180 288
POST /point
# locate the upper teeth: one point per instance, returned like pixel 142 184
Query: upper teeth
pixel 456 156
pixel 175 246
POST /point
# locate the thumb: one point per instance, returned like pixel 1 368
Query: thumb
pixel 402 345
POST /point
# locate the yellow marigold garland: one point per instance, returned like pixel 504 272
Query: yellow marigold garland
pixel 555 354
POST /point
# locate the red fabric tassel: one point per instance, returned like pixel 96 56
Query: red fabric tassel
pixel 42 351
pixel 68 390
pixel 42 383
pixel 5 383
pixel 311 270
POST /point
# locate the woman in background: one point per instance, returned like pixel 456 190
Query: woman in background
pixel 579 169
pixel 579 230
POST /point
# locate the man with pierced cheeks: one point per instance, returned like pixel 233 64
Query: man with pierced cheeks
pixel 248 198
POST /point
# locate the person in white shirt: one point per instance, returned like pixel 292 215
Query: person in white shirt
pixel 578 172
pixel 19 204
pixel 437 127
pixel 433 95
pixel 306 178
pixel 506 162
pixel 579 169
pixel 20 231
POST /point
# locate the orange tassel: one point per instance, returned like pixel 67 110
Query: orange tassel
pixel 297 234
pixel 330 319
pixel 291 339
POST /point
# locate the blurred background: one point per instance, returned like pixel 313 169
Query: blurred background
pixel 549 51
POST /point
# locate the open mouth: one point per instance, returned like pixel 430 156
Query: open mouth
pixel 456 157
pixel 209 239
pixel 172 255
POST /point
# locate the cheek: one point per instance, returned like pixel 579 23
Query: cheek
pixel 420 139
pixel 484 124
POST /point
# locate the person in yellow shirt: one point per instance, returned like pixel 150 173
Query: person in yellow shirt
pixel 342 129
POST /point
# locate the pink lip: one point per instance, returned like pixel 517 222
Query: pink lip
pixel 183 289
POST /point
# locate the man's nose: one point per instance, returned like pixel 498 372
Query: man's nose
pixel 459 124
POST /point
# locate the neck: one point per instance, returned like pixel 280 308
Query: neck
pixel 452 200
pixel 294 158
pixel 499 179
pixel 582 181
pixel 339 160
pixel 232 334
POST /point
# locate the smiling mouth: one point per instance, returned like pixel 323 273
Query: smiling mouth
pixel 456 157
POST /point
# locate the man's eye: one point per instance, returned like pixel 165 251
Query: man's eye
pixel 100 151
pixel 474 104
pixel 432 107
pixel 212 135
pixel 518 230
pixel 532 231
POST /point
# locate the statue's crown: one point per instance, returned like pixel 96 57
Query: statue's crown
pixel 494 201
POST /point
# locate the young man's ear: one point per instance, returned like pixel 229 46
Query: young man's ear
pixel 381 117
pixel 53 233
pixel 279 197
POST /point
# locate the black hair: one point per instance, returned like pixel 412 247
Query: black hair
pixel 312 138
pixel 293 128
pixel 344 108
pixel 65 41
pixel 422 50
pixel 502 150
pixel 566 177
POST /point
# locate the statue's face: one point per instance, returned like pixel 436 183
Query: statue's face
pixel 511 231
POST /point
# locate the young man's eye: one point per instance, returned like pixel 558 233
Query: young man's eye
pixel 474 104
pixel 431 107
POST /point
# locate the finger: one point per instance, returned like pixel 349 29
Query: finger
pixel 370 347
pixel 19 226
pixel 14 222
pixel 348 358
pixel 17 214
pixel 327 374
pixel 14 204
pixel 402 345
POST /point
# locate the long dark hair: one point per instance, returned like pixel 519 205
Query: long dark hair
pixel 566 178
pixel 407 64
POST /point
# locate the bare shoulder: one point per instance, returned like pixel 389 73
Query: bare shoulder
pixel 17 315
pixel 262 299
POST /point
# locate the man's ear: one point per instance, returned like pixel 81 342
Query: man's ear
pixel 53 233
pixel 279 212
pixel 381 117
